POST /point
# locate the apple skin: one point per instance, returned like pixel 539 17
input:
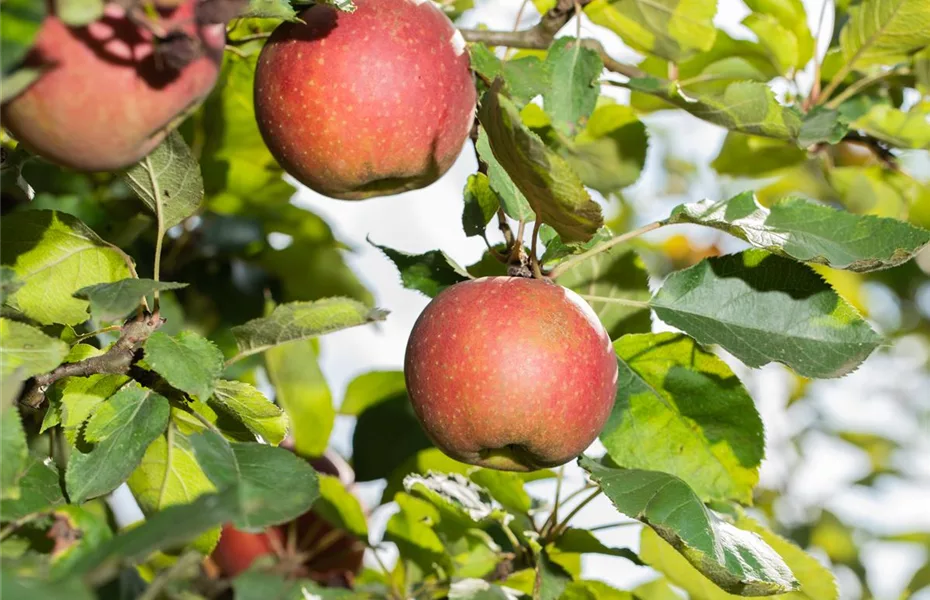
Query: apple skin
pixel 104 102
pixel 370 103
pixel 510 373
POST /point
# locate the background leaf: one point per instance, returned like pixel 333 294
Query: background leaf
pixel 884 31
pixel 110 301
pixel 25 349
pixel 20 21
pixel 574 87
pixel 302 392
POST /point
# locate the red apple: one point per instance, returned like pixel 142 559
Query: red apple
pixel 368 103
pixel 510 373
pixel 306 547
pixel 106 99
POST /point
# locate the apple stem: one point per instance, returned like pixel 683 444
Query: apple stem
pixel 517 247
pixel 554 515
pixel 603 247
pixel 534 259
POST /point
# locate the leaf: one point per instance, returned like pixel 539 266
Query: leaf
pixel 55 255
pixel 763 308
pixel 478 589
pixel 681 410
pixel 505 487
pixel 790 15
pixel 551 578
pixel 816 581
pixel 884 32
pixel 301 321
pixel 672 29
pixel 552 189
pixel 301 390
pixel 594 590
pixel 77 532
pixel 412 530
pixel 898 128
pixel 142 416
pixel 14 451
pixel 20 21
pixel 340 508
pixel 187 361
pixel 78 13
pixel 429 273
pixel 386 435
pixel 512 199
pixel 810 232
pixel 39 488
pixel 423 462
pixel 525 77
pixel 256 584
pixel 743 106
pixel 481 204
pixel 75 398
pixel 25 586
pixel 582 541
pixel 736 560
pixel 168 181
pixel 111 301
pixel 371 388
pixel 573 91
pixel 13 85
pixel 9 283
pixel 455 495
pixel 250 407
pixel 822 125
pixel 754 156
pixel 26 349
pixel 270 9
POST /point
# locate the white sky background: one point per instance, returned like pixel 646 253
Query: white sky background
pixel 431 218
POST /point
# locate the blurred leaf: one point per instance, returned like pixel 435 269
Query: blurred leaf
pixel 573 91
pixel 681 410
pixel 28 586
pixel 477 589
pixel 822 125
pixel 371 388
pixel 340 508
pixel 778 41
pixel 187 361
pixel 791 15
pixel 593 590
pixel 658 589
pixel 77 13
pixel 672 29
pixel 111 301
pixel 9 283
pixel 412 529
pixel 869 190
pixel 256 584
pixel 20 21
pixel 39 487
pixel 169 475
pixel 14 452
pixel 387 434
pixel 811 232
pixel 735 560
pixel 26 349
pixel 270 9
pixel 249 406
pixel 168 181
pixel 806 325
pixel 55 255
pixel 582 541
pixel 896 127
pixel 77 532
pixel 138 417
pixel 302 320
pixel 884 32
pixel 754 156
pixel 512 199
pixel 429 273
pixel 481 204
pixel 553 190
pixel 301 390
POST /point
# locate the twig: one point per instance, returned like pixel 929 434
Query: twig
pixel 814 94
pixel 117 360
pixel 561 527
pixel 186 561
pixel 574 260
pixel 621 301
pixel 863 83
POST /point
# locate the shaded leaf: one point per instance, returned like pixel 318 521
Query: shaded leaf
pixel 573 92
pixel 25 349
pixel 582 541
pixel 301 390
pixel 20 21
pixel 429 273
pixel 822 125
pixel 14 451
pixel 110 301
pixel 9 283
pixel 481 204
pixel 187 361
pixel 512 199
pixel 39 488
pixel 256 584
pixel 250 407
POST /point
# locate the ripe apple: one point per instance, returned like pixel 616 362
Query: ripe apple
pixel 510 373
pixel 106 98
pixel 306 547
pixel 369 103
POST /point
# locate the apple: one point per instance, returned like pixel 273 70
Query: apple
pixel 106 98
pixel 369 103
pixel 306 547
pixel 510 373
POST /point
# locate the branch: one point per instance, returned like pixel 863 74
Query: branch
pixel 117 360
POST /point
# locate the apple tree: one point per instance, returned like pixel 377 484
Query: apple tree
pixel 159 350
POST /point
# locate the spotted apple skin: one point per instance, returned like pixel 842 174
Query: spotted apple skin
pixel 369 103
pixel 510 373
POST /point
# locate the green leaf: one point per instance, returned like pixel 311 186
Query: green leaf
pixel 477 589
pixel 810 232
pixel 657 589
pixel 26 585
pixel 256 584
pixel 82 531
pixel 898 128
pixel 550 186
pixel 423 462
pixel 512 199
pixel 525 77
pixel 14 451
pixel 16 83
pixel 594 590
pixel 39 487
pixel 790 14
pixel 141 415
pixel 9 283
pixel 369 389
pixel 302 392
pixel 822 125
pixel 481 204
pixel 582 541
pixel 26 349
pixel 413 530
pixel 20 21
pixel 681 410
pixel 340 508
pixel 168 181
pixel 456 496
pixel 386 435
pixel 816 581
pixel 77 13
pixel 111 301
pixel 573 92
pixel 884 32
pixel 672 29
pixel 187 361
pixel 429 273
pixel 270 9
pixel 736 560
pixel 764 308
pixel 301 321
pixel 505 487
pixel 55 255
pixel 754 156
pixel 250 407
pixel 74 399
pixel 743 106
pixel 551 578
